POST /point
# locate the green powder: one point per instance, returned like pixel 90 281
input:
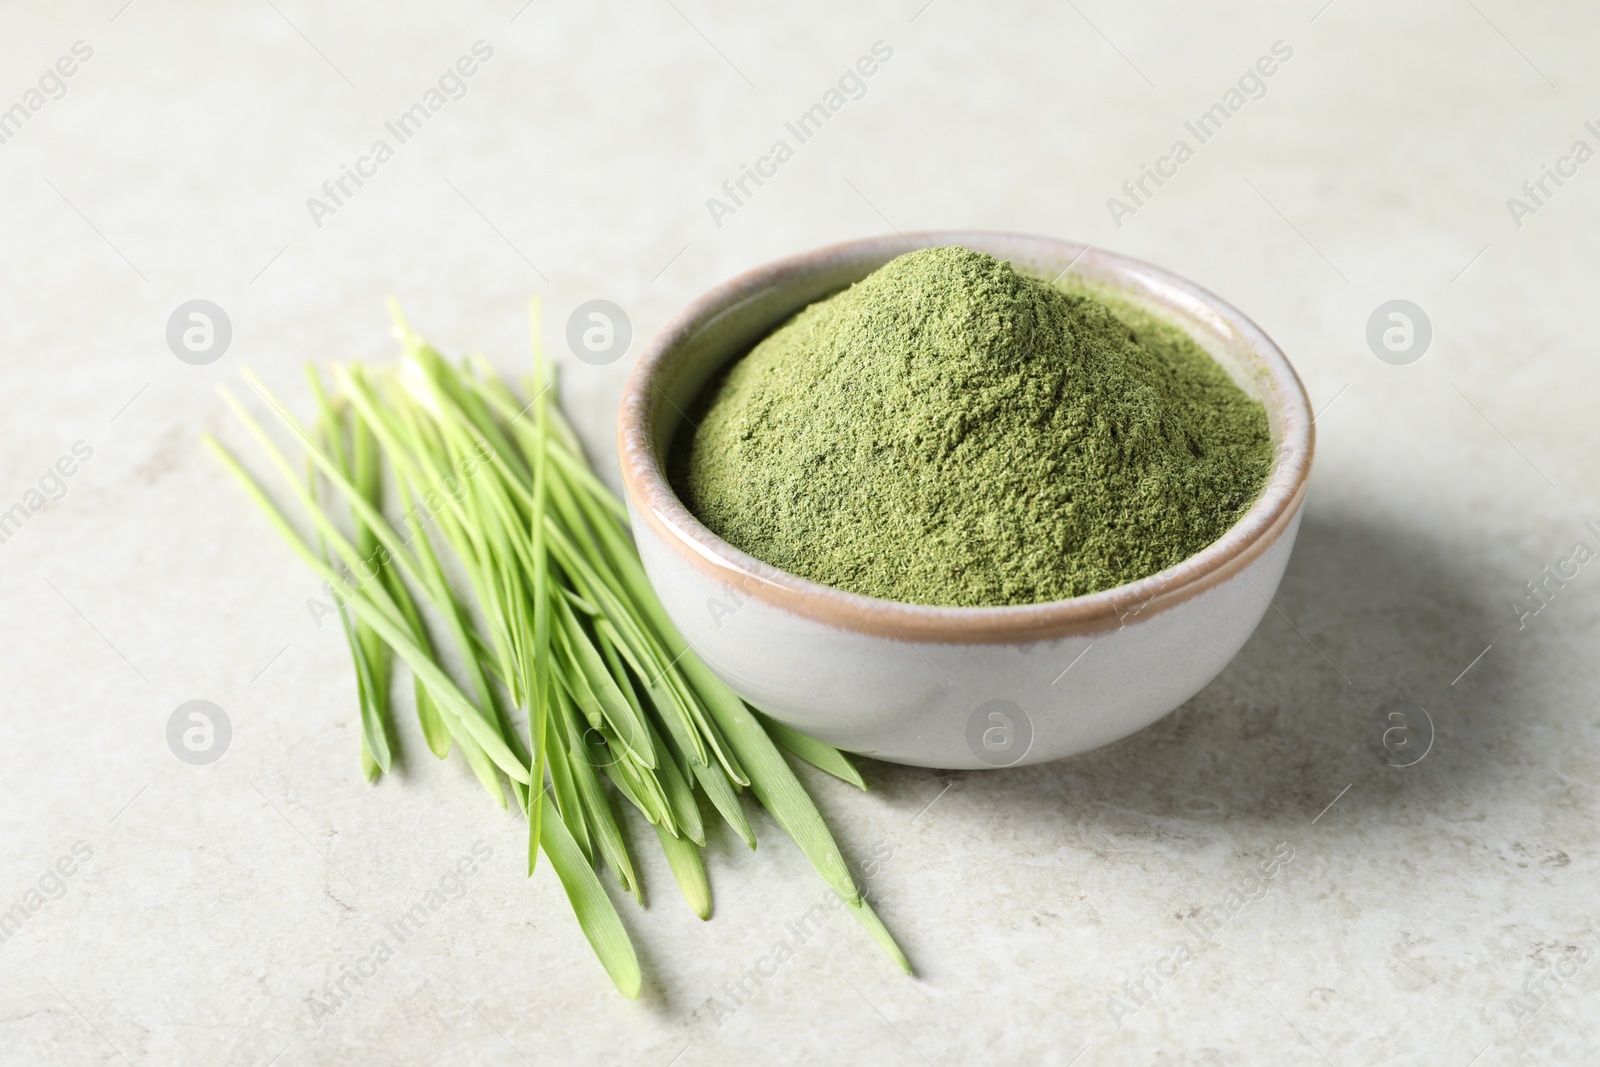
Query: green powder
pixel 950 431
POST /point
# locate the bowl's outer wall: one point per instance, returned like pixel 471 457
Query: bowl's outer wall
pixel 909 703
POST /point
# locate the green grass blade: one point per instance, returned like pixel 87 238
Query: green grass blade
pixel 616 708
pixel 772 779
pixel 565 791
pixel 329 534
pixel 374 739
pixel 880 933
pixel 688 871
pixel 451 699
pixel 679 796
pixel 636 787
pixel 434 731
pixel 366 651
pixel 558 614
pixel 538 721
pixel 714 781
pixel 472 648
pixel 596 916
pixel 483 768
pixel 597 808
pixel 359 505
pixel 821 756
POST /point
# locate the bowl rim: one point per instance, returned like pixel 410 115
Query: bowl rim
pixel 654 502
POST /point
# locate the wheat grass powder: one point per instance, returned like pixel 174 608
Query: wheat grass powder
pixel 952 431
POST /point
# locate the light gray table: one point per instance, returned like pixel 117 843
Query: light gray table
pixel 1429 914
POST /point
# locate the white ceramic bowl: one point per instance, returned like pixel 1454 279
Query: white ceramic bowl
pixel 956 687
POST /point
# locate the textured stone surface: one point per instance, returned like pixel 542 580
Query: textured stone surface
pixel 219 899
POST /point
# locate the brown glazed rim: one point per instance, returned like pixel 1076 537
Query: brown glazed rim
pixel 655 502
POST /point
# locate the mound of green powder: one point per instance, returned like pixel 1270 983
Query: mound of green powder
pixel 950 431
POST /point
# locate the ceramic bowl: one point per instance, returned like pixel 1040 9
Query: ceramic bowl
pixel 955 687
